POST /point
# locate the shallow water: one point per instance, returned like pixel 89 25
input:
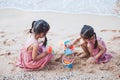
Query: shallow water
pixel 100 7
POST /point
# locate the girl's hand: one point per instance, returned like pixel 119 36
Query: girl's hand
pixel 46 52
pixel 91 60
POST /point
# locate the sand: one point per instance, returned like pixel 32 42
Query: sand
pixel 14 25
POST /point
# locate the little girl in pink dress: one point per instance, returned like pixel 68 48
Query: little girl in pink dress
pixel 34 55
pixel 104 56
pixel 93 46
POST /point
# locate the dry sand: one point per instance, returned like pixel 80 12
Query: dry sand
pixel 14 25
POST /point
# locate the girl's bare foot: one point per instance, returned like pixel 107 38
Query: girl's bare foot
pixel 83 55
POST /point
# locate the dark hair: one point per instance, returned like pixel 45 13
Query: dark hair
pixel 40 26
pixel 87 32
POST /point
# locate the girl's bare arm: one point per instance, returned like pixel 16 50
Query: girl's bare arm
pixel 35 55
pixel 102 50
pixel 77 40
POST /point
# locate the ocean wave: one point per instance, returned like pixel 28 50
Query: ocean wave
pixel 100 7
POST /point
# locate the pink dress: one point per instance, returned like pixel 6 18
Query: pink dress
pixel 105 57
pixel 26 61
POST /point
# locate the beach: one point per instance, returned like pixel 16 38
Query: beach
pixel 14 28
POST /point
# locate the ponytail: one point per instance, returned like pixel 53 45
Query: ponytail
pixel 32 26
pixel 45 42
pixel 96 42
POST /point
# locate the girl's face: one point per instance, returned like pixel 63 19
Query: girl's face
pixel 92 39
pixel 41 35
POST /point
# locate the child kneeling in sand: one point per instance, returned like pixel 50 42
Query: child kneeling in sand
pixel 34 55
pixel 92 45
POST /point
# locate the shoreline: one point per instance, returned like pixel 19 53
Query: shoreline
pixel 114 14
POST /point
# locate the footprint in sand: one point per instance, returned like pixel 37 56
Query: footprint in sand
pixel 116 37
pixel 7 53
pixel 106 30
pixel 8 42
pixel 107 67
pixel 2 34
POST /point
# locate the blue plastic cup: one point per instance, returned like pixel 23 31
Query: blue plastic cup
pixel 69 65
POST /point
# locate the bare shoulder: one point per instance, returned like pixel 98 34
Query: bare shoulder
pixel 100 45
pixel 34 45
